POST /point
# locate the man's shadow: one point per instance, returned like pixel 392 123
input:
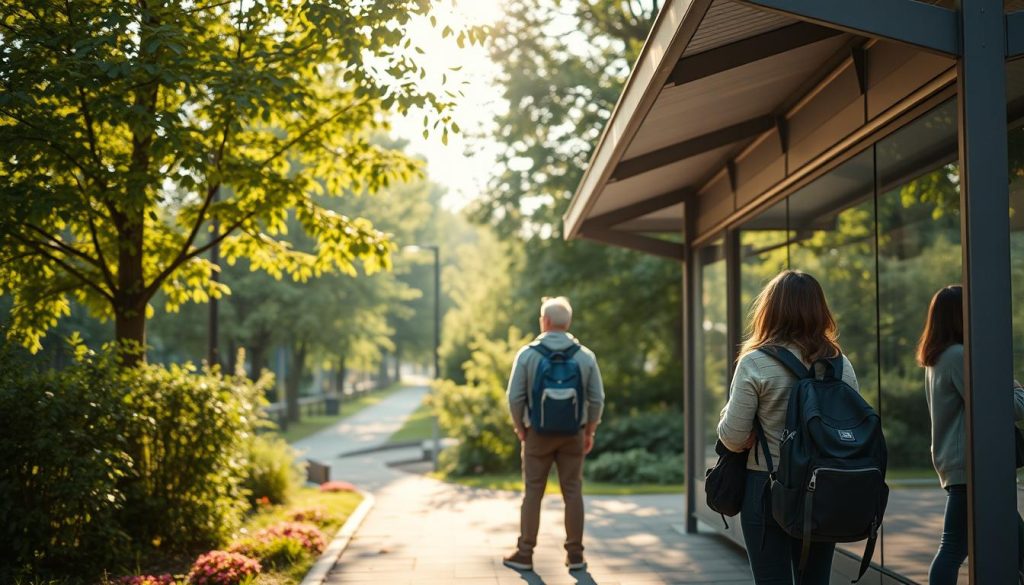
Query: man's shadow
pixel 582 577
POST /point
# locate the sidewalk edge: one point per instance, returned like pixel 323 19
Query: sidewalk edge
pixel 318 573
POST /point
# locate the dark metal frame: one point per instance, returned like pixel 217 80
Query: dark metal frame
pixel 985 231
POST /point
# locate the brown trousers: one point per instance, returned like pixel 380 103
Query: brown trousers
pixel 538 453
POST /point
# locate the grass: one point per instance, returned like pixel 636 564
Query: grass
pixel 513 482
pixel 335 507
pixel 418 427
pixel 309 425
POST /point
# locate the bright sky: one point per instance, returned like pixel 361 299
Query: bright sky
pixel 464 174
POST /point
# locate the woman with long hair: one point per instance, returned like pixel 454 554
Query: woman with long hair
pixel 790 312
pixel 941 353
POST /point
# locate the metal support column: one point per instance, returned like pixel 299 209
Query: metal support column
pixel 734 309
pixel 691 296
pixel 985 229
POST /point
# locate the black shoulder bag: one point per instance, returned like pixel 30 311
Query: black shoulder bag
pixel 726 482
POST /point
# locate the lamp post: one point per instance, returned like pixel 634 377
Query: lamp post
pixel 436 432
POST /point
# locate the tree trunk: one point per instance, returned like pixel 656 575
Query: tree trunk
pixel 257 360
pixel 294 379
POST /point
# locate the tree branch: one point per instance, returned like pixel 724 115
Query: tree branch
pixel 61 246
pixel 182 258
pixel 66 266
pixel 104 267
pixel 313 127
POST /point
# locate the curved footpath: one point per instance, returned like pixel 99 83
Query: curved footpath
pixel 428 532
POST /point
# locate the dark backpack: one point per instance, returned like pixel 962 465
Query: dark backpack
pixel 557 395
pixel 830 483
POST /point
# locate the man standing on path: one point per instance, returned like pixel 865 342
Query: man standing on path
pixel 555 397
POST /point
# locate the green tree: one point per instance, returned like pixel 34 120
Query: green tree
pixel 563 64
pixel 134 136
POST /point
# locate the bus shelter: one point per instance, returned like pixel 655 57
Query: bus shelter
pixel 877 144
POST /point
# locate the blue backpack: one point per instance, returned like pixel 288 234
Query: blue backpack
pixel 557 394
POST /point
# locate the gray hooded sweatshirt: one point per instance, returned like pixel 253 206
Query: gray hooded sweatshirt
pixel 525 366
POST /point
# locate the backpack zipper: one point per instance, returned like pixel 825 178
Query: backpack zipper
pixel 813 485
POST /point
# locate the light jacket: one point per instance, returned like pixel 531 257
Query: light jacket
pixel 760 388
pixel 525 367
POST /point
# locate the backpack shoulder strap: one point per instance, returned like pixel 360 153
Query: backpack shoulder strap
pixel 541 348
pixel 571 351
pixel 833 367
pixel 787 359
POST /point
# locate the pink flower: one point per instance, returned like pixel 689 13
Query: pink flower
pixel 337 486
pixel 223 568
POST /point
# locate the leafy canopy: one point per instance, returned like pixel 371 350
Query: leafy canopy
pixel 134 136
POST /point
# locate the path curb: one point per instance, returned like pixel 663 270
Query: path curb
pixel 318 573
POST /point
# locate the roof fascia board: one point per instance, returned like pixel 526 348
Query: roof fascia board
pixel 638 209
pixel 1015 34
pixel 647 245
pixel 675 26
pixel 692 147
pixel 749 50
pixel 923 25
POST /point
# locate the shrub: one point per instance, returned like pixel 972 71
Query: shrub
pixel 636 466
pixel 476 414
pixel 314 515
pixel 188 437
pixel 658 431
pixel 223 568
pixel 62 464
pixel 99 464
pixel 271 470
pixel 309 536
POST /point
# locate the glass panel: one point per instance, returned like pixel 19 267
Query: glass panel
pixel 764 253
pixel 918 252
pixel 833 225
pixel 712 346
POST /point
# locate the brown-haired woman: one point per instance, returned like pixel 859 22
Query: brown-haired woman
pixel 790 312
pixel 941 353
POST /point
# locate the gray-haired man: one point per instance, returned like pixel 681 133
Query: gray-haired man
pixel 540 451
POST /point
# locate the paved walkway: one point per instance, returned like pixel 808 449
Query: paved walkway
pixel 428 532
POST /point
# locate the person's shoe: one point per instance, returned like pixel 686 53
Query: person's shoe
pixel 519 561
pixel 575 561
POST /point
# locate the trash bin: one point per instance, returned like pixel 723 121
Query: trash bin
pixel 332 405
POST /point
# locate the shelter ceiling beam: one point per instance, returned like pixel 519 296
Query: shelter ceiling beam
pixel 648 245
pixel 692 147
pixel 638 209
pixel 748 51
pixel 907 21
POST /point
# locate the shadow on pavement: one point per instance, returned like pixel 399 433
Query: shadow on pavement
pixel 582 577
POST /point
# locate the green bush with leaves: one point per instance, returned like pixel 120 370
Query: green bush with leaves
pixel 271 470
pixel 657 431
pixel 63 461
pixel 476 414
pixel 99 463
pixel 636 466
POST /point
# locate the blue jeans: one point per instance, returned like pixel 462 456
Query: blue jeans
pixel 953 545
pixel 778 561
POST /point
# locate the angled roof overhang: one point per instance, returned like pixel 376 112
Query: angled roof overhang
pixel 714 77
